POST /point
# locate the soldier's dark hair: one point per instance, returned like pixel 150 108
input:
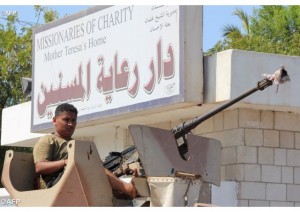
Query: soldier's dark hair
pixel 65 107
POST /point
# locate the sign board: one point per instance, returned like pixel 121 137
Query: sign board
pixel 110 61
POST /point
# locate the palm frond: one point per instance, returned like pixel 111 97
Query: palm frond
pixel 244 18
pixel 230 29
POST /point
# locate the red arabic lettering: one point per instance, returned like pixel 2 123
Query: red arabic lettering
pixel 118 77
pixel 73 91
pixel 122 76
pixel 159 62
pixel 133 90
pixel 105 82
pixel 169 64
pixel 119 80
pixel 164 68
pixel 88 80
pixel 149 86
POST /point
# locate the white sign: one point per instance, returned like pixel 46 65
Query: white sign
pixel 112 61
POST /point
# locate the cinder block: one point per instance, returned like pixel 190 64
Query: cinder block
pixel 276 192
pixel 249 118
pixel 271 174
pixel 267 119
pixel 287 139
pixel 259 203
pixel 280 157
pixel 293 193
pixel 218 121
pixel 253 137
pixel 296 175
pixel 235 172
pixel 293 157
pixel 281 204
pixel 287 121
pixel 266 155
pixel 271 138
pixel 297 140
pixel 205 127
pixel 252 191
pixel 243 203
pixel 231 119
pixel 287 175
pixel 226 137
pixel 252 172
pixel 246 154
pixel 228 155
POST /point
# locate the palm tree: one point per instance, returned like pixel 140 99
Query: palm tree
pixel 232 33
pixel 229 29
pixel 244 18
pixel 219 46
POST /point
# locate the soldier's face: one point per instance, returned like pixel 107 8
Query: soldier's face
pixel 65 124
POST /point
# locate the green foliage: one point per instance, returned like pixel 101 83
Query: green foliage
pixel 15 51
pixel 49 15
pixel 15 55
pixel 272 29
pixel 16 62
pixel 244 18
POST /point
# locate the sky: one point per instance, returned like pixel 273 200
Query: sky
pixel 215 17
pixel 216 13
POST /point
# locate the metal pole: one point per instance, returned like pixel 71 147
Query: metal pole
pixel 185 127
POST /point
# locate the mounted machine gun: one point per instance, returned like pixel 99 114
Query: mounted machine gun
pixel 279 77
pixel 161 156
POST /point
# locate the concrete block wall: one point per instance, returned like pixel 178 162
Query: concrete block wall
pixel 261 152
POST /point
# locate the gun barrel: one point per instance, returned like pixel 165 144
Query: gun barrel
pixel 185 127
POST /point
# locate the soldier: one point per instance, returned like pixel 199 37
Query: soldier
pixel 50 153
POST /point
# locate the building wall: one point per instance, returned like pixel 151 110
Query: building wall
pixel 261 152
pixel 260 155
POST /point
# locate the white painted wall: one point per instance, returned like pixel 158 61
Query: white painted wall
pixel 230 73
pixel 16 125
pixel 225 195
